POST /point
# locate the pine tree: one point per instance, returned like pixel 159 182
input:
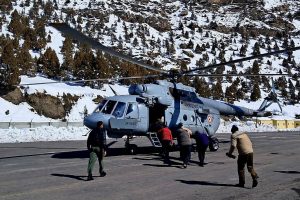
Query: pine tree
pixel 240 94
pixel 243 50
pixel 172 48
pixel 50 63
pixel 135 42
pixel 255 94
pixel 6 6
pixel 15 26
pixel 84 62
pixel 198 49
pixel 183 66
pixel 256 49
pixel 255 70
pixel 217 91
pixel 67 51
pixel 102 69
pixel 48 9
pixel 201 86
pixel 190 45
pixel 230 92
pixel 284 93
pixel 24 61
pixel 9 76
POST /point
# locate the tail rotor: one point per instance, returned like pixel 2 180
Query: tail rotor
pixel 271 98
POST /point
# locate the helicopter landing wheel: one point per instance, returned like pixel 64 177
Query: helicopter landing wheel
pixel 213 144
pixel 131 149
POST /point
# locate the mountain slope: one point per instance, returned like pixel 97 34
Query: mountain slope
pixel 167 34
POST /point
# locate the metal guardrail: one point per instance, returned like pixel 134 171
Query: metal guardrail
pixel 6 125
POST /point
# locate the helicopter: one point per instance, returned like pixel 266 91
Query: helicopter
pixel 168 102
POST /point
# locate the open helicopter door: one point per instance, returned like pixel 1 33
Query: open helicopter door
pixel 156 116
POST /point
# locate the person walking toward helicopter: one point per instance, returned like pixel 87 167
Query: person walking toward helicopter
pixel 185 143
pixel 166 139
pixel 202 142
pixel 96 144
pixel 242 142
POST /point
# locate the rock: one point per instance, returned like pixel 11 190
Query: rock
pixel 47 105
pixel 16 97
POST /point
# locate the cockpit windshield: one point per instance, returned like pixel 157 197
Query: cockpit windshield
pixel 119 110
pixel 99 108
pixel 109 107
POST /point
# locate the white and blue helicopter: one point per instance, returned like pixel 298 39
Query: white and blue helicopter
pixel 170 102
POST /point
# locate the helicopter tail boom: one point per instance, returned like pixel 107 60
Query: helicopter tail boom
pixel 230 109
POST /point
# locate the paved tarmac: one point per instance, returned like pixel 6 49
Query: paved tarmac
pixel 57 170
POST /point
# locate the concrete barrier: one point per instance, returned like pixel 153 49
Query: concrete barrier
pixel 6 125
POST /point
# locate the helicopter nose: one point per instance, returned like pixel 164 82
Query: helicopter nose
pixel 91 120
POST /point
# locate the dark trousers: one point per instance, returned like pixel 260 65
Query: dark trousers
pixel 96 153
pixel 201 153
pixel 166 146
pixel 185 153
pixel 241 162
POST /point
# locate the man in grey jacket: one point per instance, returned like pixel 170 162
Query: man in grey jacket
pixel 242 142
pixel 185 143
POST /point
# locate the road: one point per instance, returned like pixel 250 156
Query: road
pixel 57 170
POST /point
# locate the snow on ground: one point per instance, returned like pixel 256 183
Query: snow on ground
pixel 49 133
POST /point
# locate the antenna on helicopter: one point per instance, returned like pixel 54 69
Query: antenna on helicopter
pixel 115 93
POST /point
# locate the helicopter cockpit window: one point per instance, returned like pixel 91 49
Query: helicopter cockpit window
pixel 119 110
pixel 132 111
pixel 109 107
pixel 99 108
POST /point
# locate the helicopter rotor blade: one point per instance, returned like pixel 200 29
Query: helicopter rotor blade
pixel 91 80
pixel 233 75
pixel 76 35
pixel 241 60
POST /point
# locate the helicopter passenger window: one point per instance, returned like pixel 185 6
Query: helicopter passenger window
pixel 185 117
pixel 193 118
pixel 119 110
pixel 109 107
pixel 130 108
pixel 99 108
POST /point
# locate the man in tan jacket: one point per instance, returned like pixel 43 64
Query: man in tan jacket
pixel 242 142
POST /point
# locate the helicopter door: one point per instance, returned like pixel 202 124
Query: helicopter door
pixel 156 115
pixel 129 121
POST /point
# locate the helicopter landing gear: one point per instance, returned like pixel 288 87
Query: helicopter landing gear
pixel 130 148
pixel 213 144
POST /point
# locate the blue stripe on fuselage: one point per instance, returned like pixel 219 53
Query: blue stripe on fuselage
pixel 238 109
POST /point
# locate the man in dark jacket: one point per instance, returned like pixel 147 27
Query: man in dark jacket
pixel 185 143
pixel 96 144
pixel 202 142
